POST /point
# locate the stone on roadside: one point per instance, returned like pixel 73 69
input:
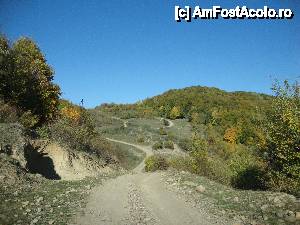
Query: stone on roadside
pixel 290 216
pixel 298 216
pixel 200 188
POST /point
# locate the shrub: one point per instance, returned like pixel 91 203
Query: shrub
pixel 75 137
pixel 8 113
pixel 166 122
pixel 71 113
pixel 74 128
pixel 253 178
pixel 277 181
pixel 28 120
pixel 242 159
pixel 155 162
pixel 211 167
pixel 185 144
pixel 140 140
pixel 181 163
pixel 200 162
pixel 169 145
pixel 43 131
pixel 104 148
pixel 231 135
pixel 157 145
pixel 162 131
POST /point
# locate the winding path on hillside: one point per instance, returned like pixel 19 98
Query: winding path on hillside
pixel 140 198
pixel 146 149
pixel 171 124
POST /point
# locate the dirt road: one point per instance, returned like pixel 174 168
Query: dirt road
pixel 140 198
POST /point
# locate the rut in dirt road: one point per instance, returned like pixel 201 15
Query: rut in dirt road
pixel 140 198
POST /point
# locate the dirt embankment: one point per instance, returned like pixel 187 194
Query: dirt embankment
pixel 56 162
pixel 43 157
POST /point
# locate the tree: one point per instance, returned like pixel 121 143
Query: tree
pixel 175 113
pixel 5 66
pixel 283 131
pixel 26 79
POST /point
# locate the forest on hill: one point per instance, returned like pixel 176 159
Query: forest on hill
pixel 243 139
pixel 237 115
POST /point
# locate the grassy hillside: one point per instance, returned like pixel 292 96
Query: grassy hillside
pixel 228 135
pixel 202 105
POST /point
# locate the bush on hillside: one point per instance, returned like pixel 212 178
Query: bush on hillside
pixel 166 123
pixel 28 120
pixel 242 159
pixel 212 168
pixel 155 162
pixel 8 113
pixel 252 177
pixel 169 145
pixel 185 144
pixel 141 139
pixel 158 145
pixel 26 80
pixel 282 137
pixel 74 127
pixel 231 135
pixel 277 181
pixel 162 131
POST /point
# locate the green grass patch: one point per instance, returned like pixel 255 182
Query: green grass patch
pixel 129 156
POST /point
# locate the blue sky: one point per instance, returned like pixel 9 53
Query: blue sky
pixel 124 51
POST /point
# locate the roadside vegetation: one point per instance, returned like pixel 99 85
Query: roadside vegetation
pixel 32 115
pixel 244 140
pixel 243 206
pixel 29 97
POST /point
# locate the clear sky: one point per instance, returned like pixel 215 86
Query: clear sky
pixel 123 51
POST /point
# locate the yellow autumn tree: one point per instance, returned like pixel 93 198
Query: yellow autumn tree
pixel 71 113
pixel 175 113
pixel 27 80
pixel 231 135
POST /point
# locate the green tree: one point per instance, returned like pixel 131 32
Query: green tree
pixel 283 131
pixel 27 79
pixel 5 67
